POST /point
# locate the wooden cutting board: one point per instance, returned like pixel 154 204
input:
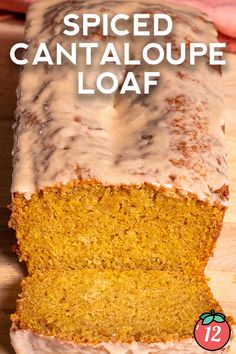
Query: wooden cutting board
pixel 221 269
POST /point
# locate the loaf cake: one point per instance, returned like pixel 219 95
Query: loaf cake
pixel 103 184
pixel 117 201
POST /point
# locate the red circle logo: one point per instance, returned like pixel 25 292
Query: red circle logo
pixel 212 331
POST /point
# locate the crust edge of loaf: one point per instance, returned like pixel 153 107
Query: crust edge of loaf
pixel 23 340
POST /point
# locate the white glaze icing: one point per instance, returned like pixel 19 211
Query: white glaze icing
pixel 171 137
pixel 27 342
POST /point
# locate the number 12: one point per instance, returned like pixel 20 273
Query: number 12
pixel 216 329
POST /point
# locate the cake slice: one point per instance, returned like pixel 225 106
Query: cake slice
pixel 89 311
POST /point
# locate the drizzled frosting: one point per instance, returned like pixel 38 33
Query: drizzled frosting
pixel 28 342
pixel 172 137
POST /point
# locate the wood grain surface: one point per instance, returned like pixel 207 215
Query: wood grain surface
pixel 221 269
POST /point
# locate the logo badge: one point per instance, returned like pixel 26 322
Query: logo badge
pixel 212 331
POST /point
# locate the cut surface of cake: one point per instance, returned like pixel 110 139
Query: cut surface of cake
pixel 111 306
pixel 117 201
pixel 123 227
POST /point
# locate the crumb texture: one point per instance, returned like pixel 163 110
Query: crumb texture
pixel 93 226
pixel 101 306
pixel 117 201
